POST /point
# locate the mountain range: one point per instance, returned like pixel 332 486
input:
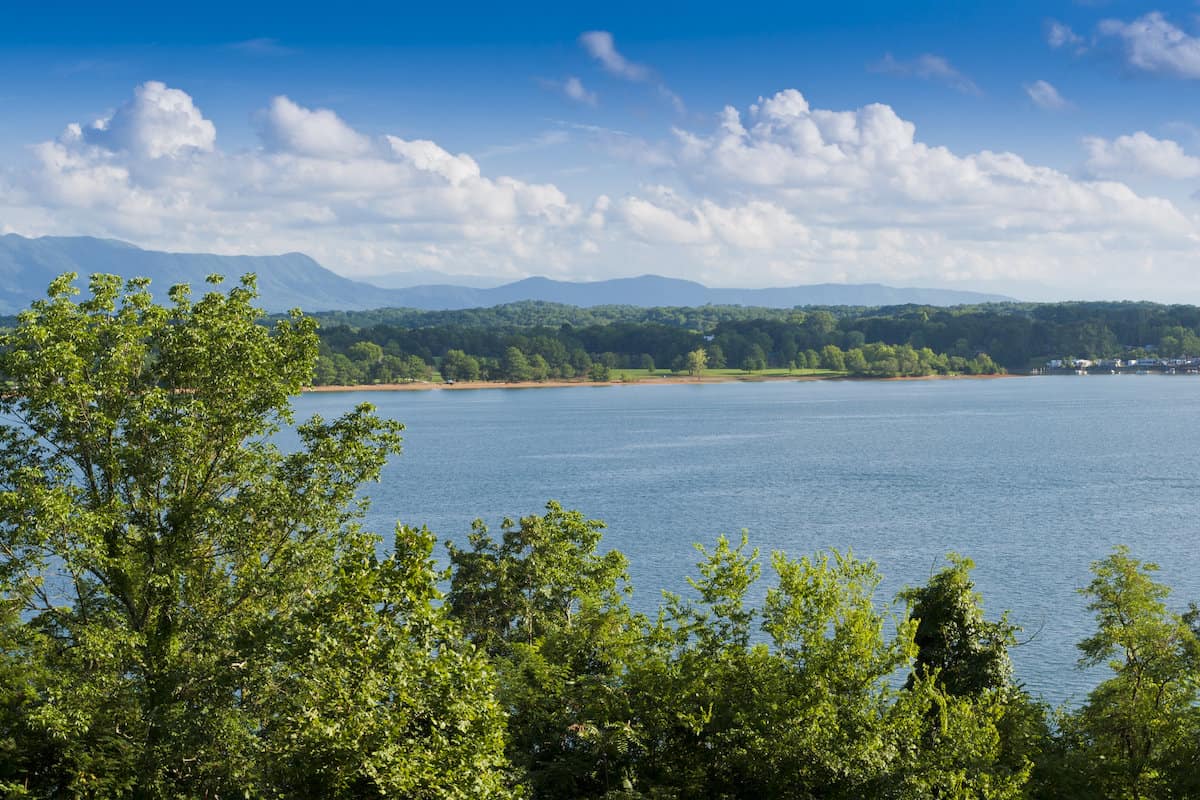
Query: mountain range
pixel 294 280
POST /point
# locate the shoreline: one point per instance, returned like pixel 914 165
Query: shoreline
pixel 423 386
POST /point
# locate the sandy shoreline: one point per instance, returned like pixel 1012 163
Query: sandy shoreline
pixel 420 386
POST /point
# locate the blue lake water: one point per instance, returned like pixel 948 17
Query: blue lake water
pixel 1033 478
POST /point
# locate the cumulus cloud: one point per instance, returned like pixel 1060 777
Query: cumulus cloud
pixel 1139 154
pixel 158 122
pixel 600 46
pixel 853 164
pixel 780 192
pixel 151 172
pixel 928 67
pixel 819 191
pixel 1152 44
pixel 1044 95
pixel 288 127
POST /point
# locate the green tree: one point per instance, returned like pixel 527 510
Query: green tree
pixel 697 360
pixel 856 363
pixel 821 326
pixel 416 369
pixel 539 369
pixel 188 594
pixel 1138 734
pixel 325 372
pixel 365 352
pixel 715 356
pixel 580 360
pixel 599 372
pixel 458 366
pixel 551 611
pixel 833 358
pixel 956 646
pixel 515 367
pixel 755 360
pixel 963 673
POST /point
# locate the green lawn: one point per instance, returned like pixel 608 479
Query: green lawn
pixel 639 374
pixel 636 374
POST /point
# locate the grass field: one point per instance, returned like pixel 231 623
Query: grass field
pixel 642 374
pixel 638 374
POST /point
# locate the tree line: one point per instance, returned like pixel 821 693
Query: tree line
pixel 386 354
pixel 564 342
pixel 188 611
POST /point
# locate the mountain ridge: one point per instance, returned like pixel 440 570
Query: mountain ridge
pixel 291 280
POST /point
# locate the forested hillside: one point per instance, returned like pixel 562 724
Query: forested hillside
pixel 901 340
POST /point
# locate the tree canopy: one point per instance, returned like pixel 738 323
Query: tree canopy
pixel 189 611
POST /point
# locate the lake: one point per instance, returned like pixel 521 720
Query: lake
pixel 1033 478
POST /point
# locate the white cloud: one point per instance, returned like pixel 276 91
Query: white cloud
pixel 1060 35
pixel 815 194
pixel 1044 95
pixel 574 89
pixel 319 133
pixel 1152 44
pixel 600 46
pixel 866 167
pixel 1140 154
pixel 928 67
pixel 779 193
pixel 658 224
pixel 151 173
pixel 157 123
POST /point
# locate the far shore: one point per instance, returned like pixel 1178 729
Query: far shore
pixel 664 380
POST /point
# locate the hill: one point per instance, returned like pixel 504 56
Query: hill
pixel 295 280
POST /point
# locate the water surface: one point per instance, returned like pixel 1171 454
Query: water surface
pixel 1033 478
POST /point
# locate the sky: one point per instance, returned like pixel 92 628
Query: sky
pixel 1047 150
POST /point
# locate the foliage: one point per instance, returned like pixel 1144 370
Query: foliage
pixel 956 647
pixel 1138 734
pixel 458 366
pixel 386 353
pixel 874 342
pixel 179 598
pixel 551 612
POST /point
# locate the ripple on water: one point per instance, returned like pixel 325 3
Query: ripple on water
pixel 1034 479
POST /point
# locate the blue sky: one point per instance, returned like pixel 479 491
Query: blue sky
pixel 1049 149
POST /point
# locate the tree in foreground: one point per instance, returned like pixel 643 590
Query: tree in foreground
pixel 1138 734
pixel 185 609
pixel 551 612
pixel 811 711
pixel 965 657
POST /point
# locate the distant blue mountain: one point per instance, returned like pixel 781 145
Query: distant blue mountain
pixel 294 280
